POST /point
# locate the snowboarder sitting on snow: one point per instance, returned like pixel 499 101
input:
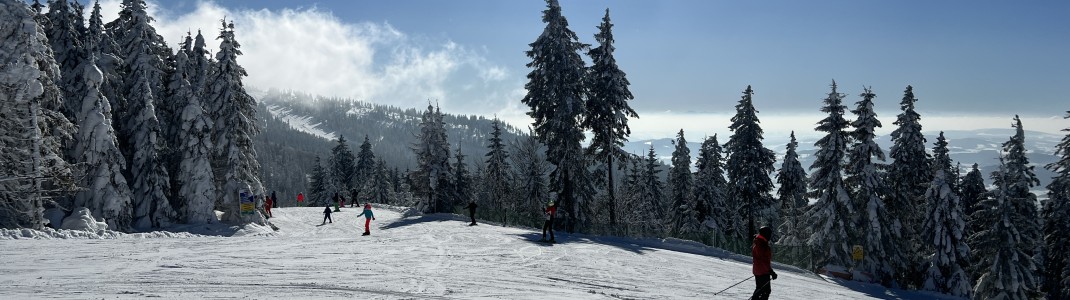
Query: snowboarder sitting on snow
pixel 549 212
pixel 327 214
pixel 472 211
pixel 762 268
pixel 368 217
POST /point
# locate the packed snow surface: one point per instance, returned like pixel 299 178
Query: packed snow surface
pixel 405 257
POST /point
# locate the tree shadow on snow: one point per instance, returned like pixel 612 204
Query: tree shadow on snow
pixel 423 219
pixel 562 238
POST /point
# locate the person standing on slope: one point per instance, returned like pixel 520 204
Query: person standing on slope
pixel 336 198
pixel 327 214
pixel 763 264
pixel 368 217
pixel 549 214
pixel 472 211
pixel 274 201
pixel 268 202
pixel 300 198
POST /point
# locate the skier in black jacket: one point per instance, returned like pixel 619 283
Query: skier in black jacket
pixel 327 214
pixel 472 211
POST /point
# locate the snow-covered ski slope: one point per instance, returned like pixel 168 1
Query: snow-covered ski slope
pixel 418 257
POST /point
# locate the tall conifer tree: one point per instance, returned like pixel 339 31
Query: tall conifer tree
pixel 607 107
pixel 682 206
pixel 1056 216
pixel 908 176
pixel 556 96
pixel 710 189
pixel 497 177
pixel 793 200
pixel 749 165
pixel 944 228
pixel 831 214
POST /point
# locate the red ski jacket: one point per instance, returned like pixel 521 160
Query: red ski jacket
pixel 763 255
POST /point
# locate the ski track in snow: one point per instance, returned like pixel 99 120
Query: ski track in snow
pixel 421 257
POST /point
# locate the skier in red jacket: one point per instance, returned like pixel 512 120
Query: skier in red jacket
pixel 763 265
pixel 550 212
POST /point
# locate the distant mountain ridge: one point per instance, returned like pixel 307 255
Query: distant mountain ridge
pixel 297 127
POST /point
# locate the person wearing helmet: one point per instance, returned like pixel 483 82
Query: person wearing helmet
pixel 368 217
pixel 549 214
pixel 763 265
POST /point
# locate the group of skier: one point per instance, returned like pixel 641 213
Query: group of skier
pixel 367 213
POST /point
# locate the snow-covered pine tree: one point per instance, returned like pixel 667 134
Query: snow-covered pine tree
pixel 107 194
pixel 151 184
pixel 1022 178
pixel 1002 253
pixel 196 194
pixel 831 215
pixel 973 191
pixel 651 205
pixel 556 97
pixel 497 177
pixel 203 63
pixel 382 192
pixel 144 54
pixel 235 124
pixel 909 176
pixel 530 170
pixel 341 168
pixel 875 229
pixel 364 167
pixel 1056 214
pixel 944 229
pixel 65 37
pixel 318 193
pixel 710 185
pixel 683 220
pixel 607 107
pixel 102 45
pixel 462 180
pixel 749 165
pixel 792 197
pixel 632 187
pixel 33 129
pixel 431 179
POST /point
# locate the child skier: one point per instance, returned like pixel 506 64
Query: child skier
pixel 327 214
pixel 368 217
pixel 267 206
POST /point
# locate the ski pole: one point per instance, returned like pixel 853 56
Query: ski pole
pixel 737 283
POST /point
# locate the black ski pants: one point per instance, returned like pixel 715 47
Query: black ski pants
pixel 762 288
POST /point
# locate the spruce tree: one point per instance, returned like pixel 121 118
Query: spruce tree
pixel 792 197
pixel 462 180
pixel 65 36
pixel 556 98
pixel 431 179
pixel 944 228
pixel 145 54
pixel 365 167
pixel 973 191
pixel 381 191
pixel 908 176
pixel 684 219
pixel 107 194
pixel 342 168
pixel 318 193
pixel 531 170
pixel 749 165
pixel 497 177
pixel 1002 253
pixel 830 216
pixel 235 125
pixel 652 196
pixel 33 128
pixel 197 192
pixel 607 107
pixel 1021 178
pixel 874 228
pixel 151 184
pixel 1056 214
pixel 101 43
pixel 710 187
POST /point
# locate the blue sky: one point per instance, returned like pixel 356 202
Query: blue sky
pixel 990 59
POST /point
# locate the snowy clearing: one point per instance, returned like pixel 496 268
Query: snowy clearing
pixel 418 257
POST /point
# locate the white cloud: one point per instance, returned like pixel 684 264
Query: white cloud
pixel 313 51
